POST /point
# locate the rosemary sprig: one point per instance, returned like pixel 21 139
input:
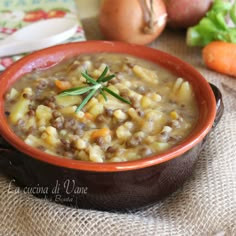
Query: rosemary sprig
pixel 93 87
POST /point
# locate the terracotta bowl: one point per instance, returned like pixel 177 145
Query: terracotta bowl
pixel 106 186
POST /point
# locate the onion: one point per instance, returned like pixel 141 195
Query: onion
pixel 185 13
pixel 132 21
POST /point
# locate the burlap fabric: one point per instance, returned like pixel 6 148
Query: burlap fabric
pixel 205 205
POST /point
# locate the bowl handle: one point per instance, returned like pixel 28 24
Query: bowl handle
pixel 219 105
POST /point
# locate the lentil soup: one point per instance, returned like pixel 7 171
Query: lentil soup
pixel 161 113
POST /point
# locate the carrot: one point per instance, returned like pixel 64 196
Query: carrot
pixel 62 85
pixel 100 133
pixel 88 116
pixel 221 57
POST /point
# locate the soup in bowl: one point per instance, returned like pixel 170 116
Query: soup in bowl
pixel 121 120
pixel 151 111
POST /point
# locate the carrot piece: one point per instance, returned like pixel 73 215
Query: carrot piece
pixel 88 116
pixel 100 133
pixel 220 56
pixel 62 85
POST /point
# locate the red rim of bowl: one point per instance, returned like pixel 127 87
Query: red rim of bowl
pixel 48 57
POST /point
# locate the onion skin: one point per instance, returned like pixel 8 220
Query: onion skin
pixel 124 20
pixel 186 13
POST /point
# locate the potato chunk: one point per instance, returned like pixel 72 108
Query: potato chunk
pixel 66 101
pixel 182 92
pixel 96 154
pixel 185 94
pixel 43 114
pixel 50 136
pixel 21 107
pixel 145 74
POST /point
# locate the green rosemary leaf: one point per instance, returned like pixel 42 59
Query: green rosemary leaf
pixel 89 79
pixel 75 91
pixel 104 95
pixel 116 95
pixel 84 102
pixel 107 78
pixel 103 74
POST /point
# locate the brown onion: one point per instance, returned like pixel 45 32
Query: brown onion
pixel 133 21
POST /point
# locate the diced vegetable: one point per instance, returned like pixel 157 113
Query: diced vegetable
pixel 68 100
pixel 100 133
pixel 20 108
pixel 62 84
pixel 145 74
pixel 43 114
pixel 50 136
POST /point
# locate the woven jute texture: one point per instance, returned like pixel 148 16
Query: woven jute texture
pixel 205 205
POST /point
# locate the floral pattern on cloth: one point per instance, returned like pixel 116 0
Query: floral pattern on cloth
pixel 15 14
